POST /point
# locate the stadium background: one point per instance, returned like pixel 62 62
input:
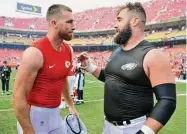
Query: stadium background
pixel 166 28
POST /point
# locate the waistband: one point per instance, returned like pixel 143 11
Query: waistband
pixel 42 108
pixel 127 122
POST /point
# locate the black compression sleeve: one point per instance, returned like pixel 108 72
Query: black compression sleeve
pixel 102 76
pixel 165 107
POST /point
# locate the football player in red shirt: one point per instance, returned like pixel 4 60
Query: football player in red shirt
pixel 42 77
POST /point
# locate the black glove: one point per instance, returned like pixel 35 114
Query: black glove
pixel 140 132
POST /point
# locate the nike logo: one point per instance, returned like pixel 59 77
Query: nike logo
pixel 51 66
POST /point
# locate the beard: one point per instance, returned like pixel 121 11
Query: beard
pixel 64 36
pixel 122 37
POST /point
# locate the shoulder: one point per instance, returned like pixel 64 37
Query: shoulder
pixel 159 68
pixel 115 52
pixel 32 51
pixel 146 47
pixel 40 43
pixel 69 48
pixel 32 56
pixel 156 56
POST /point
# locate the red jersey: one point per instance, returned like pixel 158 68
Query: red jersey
pixel 49 83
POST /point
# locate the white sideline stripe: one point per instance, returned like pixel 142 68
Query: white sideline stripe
pixel 91 81
pixel 94 100
pixel 4 110
pixel 180 81
pixel 88 101
pixel 181 94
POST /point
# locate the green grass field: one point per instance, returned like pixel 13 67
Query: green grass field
pixel 91 112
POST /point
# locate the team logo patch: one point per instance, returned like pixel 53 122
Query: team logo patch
pixel 67 64
pixel 129 66
pixel 41 123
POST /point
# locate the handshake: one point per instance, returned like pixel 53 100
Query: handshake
pixel 86 62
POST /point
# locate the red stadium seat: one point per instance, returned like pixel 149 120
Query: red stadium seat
pixel 103 18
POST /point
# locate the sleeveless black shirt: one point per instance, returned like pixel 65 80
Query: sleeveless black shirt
pixel 128 91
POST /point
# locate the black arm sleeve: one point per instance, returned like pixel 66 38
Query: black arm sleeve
pixel 166 105
pixel 102 76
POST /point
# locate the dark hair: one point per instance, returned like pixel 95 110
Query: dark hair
pixel 4 62
pixel 136 8
pixel 55 10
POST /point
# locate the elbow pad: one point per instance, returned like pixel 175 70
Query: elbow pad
pixel 102 76
pixel 166 105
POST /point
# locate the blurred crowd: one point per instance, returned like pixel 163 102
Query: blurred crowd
pixel 177 58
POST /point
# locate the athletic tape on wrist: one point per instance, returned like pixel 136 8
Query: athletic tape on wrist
pixel 90 66
pixel 147 130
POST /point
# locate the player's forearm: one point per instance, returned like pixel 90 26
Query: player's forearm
pixel 22 113
pixel 100 74
pixel 68 99
pixel 97 72
pixel 164 108
pixel 66 95
pixel 153 124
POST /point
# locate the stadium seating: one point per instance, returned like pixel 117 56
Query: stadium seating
pixel 2 21
pixel 177 57
pixel 11 56
pixel 89 41
pixel 165 34
pixel 156 36
pixel 95 41
pixel 103 18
